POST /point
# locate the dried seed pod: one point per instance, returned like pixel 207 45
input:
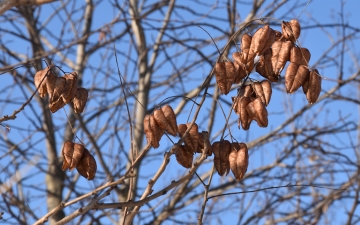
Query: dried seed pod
pixel 79 101
pixel 191 140
pixel 148 132
pixel 236 104
pixel 67 153
pixel 300 56
pixel 87 165
pixel 47 84
pixel 221 151
pixel 203 142
pixel 257 111
pixel 240 73
pixel 246 91
pixel 184 156
pixel 291 30
pixel 301 75
pixel 239 160
pixel 77 155
pixel 224 79
pixel 156 130
pixel 245 118
pixel 305 85
pixel 56 101
pixel 166 119
pixel 265 67
pixel 245 48
pixel 281 54
pixel 314 86
pixel 259 39
pixel 269 41
pixel 258 89
pixel 266 86
pixel 290 75
pixel 70 87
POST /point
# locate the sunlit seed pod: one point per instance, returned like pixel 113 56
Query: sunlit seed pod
pixel 171 118
pixel 87 165
pixel 148 132
pixel 231 73
pixel 184 156
pixel 70 87
pixel 55 100
pixel 240 73
pixel 77 155
pixel 157 131
pixel 266 85
pixel 300 56
pixel 259 39
pixel 236 104
pixel 259 91
pixel 245 47
pixel 291 30
pixel 239 160
pixel 314 87
pixel 301 75
pixel 245 118
pixel 269 41
pixel 264 67
pixel 45 85
pixel 246 91
pixel 79 100
pixel 223 80
pixel 290 75
pixel 67 153
pixel 163 122
pixel 257 111
pixel 191 139
pixel 282 55
pixel 221 150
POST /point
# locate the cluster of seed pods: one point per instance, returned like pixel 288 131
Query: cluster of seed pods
pixel 61 90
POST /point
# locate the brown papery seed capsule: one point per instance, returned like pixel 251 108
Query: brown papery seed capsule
pixel 290 75
pixel 184 156
pixel 314 86
pixel 259 39
pixel 80 99
pixel 239 160
pixel 301 75
pixel 87 165
pixel 266 85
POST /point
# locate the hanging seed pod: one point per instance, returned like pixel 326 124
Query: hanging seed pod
pixel 225 75
pixel 67 153
pixel 239 160
pixel 300 56
pixel 47 84
pixel 290 75
pixel 266 86
pixel 245 118
pixel 246 91
pixel 245 48
pixel 203 142
pixel 87 165
pixel 291 30
pixel 156 130
pixel 70 87
pixel 166 119
pixel 269 41
pixel 259 91
pixel 281 54
pixel 240 73
pixel 314 86
pixel 236 104
pixel 55 100
pixel 191 140
pixel 221 151
pixel 259 39
pixel 77 155
pixel 147 130
pixel 301 75
pixel 80 99
pixel 257 111
pixel 184 156
pixel 264 67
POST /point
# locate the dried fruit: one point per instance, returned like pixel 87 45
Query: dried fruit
pixel 152 130
pixel 245 118
pixel 191 140
pixel 269 41
pixel 240 73
pixel 245 48
pixel 314 86
pixel 87 165
pixel 257 111
pixel 70 87
pixel 67 153
pixel 225 76
pixel 259 91
pixel 55 100
pixel 239 160
pixel 79 101
pixel 300 56
pixel 280 55
pixel 221 151
pixel 47 84
pixel 184 156
pixel 291 30
pixel 259 39
pixel 301 75
pixel 266 86
pixel 246 91
pixel 166 119
pixel 265 67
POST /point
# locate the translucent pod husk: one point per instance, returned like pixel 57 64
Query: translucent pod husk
pixel 245 48
pixel 245 118
pixel 266 86
pixel 70 87
pixel 191 140
pixel 152 136
pixel 290 75
pixel 221 150
pixel 314 86
pixel 184 156
pixel 79 100
pixel 281 55
pixel 67 153
pixel 87 165
pixel 300 56
pixel 225 76
pixel 301 76
pixel 291 30
pixel 258 89
pixel 239 159
pixel 156 130
pixel 257 111
pixel 166 119
pixel 56 102
pixel 77 155
pixel 45 85
pixel 259 39
pixel 265 68
pixel 271 39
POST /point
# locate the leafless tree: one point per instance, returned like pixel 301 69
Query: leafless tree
pixel 133 56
